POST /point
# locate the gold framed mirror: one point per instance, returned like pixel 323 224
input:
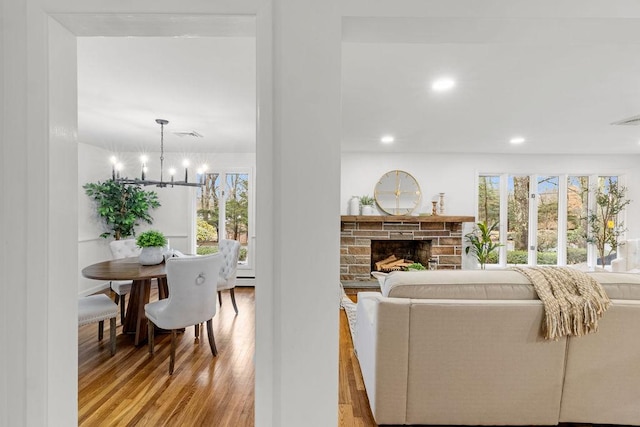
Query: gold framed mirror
pixel 398 193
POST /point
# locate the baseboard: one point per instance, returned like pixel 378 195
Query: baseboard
pixel 246 281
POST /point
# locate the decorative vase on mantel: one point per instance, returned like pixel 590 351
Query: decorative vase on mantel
pixel 151 255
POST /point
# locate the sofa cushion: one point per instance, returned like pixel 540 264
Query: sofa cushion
pixel 490 285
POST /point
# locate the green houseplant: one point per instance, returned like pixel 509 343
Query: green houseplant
pixel 121 206
pixel 367 205
pixel 604 225
pixel 480 242
pixel 152 243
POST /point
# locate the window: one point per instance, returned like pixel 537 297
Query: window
pixel 489 205
pixel 543 218
pixel 577 209
pixel 223 212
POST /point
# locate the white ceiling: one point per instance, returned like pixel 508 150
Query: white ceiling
pixel 204 84
pixel 557 82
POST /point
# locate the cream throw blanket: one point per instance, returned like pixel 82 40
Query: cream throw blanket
pixel 573 301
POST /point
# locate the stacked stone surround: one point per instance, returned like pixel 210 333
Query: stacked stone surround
pixel 356 233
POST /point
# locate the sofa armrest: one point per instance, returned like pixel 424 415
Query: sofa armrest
pixel 382 346
pixel 619 265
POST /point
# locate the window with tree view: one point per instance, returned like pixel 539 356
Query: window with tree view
pixel 489 207
pixel 222 207
pixel 547 218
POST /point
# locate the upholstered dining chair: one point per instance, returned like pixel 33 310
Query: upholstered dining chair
pixel 125 248
pixel 230 250
pixel 98 308
pixel 192 299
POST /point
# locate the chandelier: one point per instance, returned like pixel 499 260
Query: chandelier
pixel 162 183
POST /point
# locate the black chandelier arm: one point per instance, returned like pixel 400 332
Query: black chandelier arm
pixel 161 184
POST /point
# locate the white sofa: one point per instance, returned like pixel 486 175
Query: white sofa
pixel 628 258
pixel 465 348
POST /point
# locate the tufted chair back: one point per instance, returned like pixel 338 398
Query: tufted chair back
pixel 124 248
pixel 192 291
pixel 192 300
pixel 230 251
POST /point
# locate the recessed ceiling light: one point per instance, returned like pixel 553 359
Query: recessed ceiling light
pixel 387 139
pixel 443 84
pixel 517 140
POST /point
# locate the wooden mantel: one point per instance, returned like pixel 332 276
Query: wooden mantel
pixel 406 218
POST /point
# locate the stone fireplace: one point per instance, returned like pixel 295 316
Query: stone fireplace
pixel 362 237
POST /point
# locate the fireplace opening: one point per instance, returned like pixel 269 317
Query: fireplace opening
pixel 392 255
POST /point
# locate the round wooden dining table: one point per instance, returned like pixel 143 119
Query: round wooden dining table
pixel 135 321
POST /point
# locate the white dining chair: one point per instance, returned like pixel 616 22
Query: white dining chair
pixel 98 308
pixel 230 250
pixel 192 299
pixel 125 248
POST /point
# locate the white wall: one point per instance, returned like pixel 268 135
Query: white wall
pixel 174 217
pixel 456 175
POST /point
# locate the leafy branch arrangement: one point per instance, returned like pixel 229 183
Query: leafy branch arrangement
pixel 480 242
pixel 605 229
pixel 121 206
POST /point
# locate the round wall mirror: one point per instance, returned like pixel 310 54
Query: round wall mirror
pixel 397 193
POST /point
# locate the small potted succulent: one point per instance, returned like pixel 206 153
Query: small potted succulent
pixel 367 205
pixel 152 243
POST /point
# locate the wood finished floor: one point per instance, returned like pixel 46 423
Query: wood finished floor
pixel 133 389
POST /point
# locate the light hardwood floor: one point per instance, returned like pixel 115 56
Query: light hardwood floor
pixel 132 388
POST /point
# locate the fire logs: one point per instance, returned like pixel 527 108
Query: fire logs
pixel 392 263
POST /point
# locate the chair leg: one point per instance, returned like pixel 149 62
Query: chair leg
pixel 100 329
pixel 116 298
pixel 197 331
pixel 212 341
pixel 172 358
pixel 122 303
pixel 233 299
pixel 220 298
pixel 112 334
pixel 150 334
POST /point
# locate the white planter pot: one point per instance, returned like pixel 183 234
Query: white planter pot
pixel 367 210
pixel 151 255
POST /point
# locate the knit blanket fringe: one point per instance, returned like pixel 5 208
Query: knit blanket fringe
pixel 573 301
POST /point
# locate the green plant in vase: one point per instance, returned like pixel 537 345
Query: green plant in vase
pixel 151 238
pixel 367 203
pixel 152 243
pixel 605 226
pixel 480 242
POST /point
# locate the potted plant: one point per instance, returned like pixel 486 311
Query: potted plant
pixel 367 205
pixel 604 225
pixel 480 242
pixel 152 243
pixel 121 206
